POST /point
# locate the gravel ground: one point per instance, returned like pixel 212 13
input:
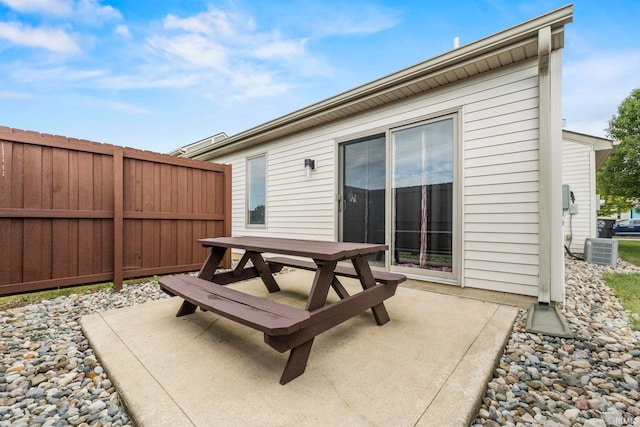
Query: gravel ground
pixel 591 380
pixel 49 375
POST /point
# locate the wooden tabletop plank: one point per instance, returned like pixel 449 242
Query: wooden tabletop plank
pixel 316 249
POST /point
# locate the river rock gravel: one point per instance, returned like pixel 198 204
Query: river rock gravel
pixel 50 376
pixel 590 380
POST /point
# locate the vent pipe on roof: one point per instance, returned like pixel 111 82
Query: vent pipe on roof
pixel 456 42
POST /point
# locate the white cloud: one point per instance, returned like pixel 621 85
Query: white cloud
pixel 89 11
pixel 123 30
pixel 223 54
pixel 31 74
pixel 52 39
pixel 128 108
pixel 351 18
pixel 280 49
pixel 52 7
pixel 148 78
pixel 85 11
pixel 191 50
pixel 250 83
pixel 211 22
pixel 9 94
pixel 226 53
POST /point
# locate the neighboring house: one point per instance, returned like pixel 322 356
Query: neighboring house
pixel 455 163
pixel 198 146
pixel 582 156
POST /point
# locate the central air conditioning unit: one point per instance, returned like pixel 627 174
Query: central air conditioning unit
pixel 601 251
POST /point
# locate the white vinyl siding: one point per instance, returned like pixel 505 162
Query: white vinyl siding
pixel 501 187
pixel 578 170
pixel 297 207
pixel 498 155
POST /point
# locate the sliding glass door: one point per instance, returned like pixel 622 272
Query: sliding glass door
pixel 412 210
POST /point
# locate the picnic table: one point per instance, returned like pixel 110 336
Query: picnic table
pixel 286 328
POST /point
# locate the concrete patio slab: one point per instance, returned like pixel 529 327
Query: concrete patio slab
pixel 428 366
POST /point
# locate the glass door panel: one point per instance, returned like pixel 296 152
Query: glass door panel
pixel 423 197
pixel 362 204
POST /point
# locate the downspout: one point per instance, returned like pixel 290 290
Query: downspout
pixel 545 180
pixel 544 317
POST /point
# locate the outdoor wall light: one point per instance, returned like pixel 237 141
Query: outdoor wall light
pixel 309 165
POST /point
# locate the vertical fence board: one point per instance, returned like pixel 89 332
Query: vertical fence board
pixel 46 248
pixel 60 248
pixel 60 178
pixel 85 246
pixel 85 180
pixel 31 255
pixel 98 245
pixel 108 238
pixel 17 249
pixel 76 212
pixel 156 236
pixel 97 182
pixel 118 217
pixel 6 150
pixel 5 248
pixel 72 248
pixel 17 176
pixel 107 179
pixel 6 162
pixel 47 178
pixel 73 181
pixel 32 182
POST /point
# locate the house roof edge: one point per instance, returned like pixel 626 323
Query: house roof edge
pixel 555 19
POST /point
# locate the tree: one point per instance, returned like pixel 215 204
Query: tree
pixel 615 205
pixel 619 177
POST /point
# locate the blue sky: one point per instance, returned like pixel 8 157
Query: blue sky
pixel 159 75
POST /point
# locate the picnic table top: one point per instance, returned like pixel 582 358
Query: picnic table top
pixel 316 249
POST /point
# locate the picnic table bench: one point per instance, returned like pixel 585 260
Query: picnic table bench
pixel 286 328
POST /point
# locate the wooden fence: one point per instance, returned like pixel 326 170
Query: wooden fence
pixel 78 212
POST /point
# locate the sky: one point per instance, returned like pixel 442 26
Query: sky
pixel 158 75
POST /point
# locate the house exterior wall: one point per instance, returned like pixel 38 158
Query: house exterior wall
pixel 578 172
pixel 497 195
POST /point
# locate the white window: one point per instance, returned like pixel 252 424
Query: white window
pixel 256 190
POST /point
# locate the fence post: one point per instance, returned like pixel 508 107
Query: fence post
pixel 118 229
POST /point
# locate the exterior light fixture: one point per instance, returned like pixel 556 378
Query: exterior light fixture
pixel 309 165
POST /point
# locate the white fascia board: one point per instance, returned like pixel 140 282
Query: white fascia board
pixel 596 142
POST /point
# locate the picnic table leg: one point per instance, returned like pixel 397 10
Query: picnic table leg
pixel 367 280
pixel 264 271
pixel 297 362
pixel 211 263
pixel 206 272
pixel 241 263
pixel 340 290
pixel 298 356
pixel 186 308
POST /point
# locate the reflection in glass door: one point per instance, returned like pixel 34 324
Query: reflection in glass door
pixel 423 197
pixel 362 204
